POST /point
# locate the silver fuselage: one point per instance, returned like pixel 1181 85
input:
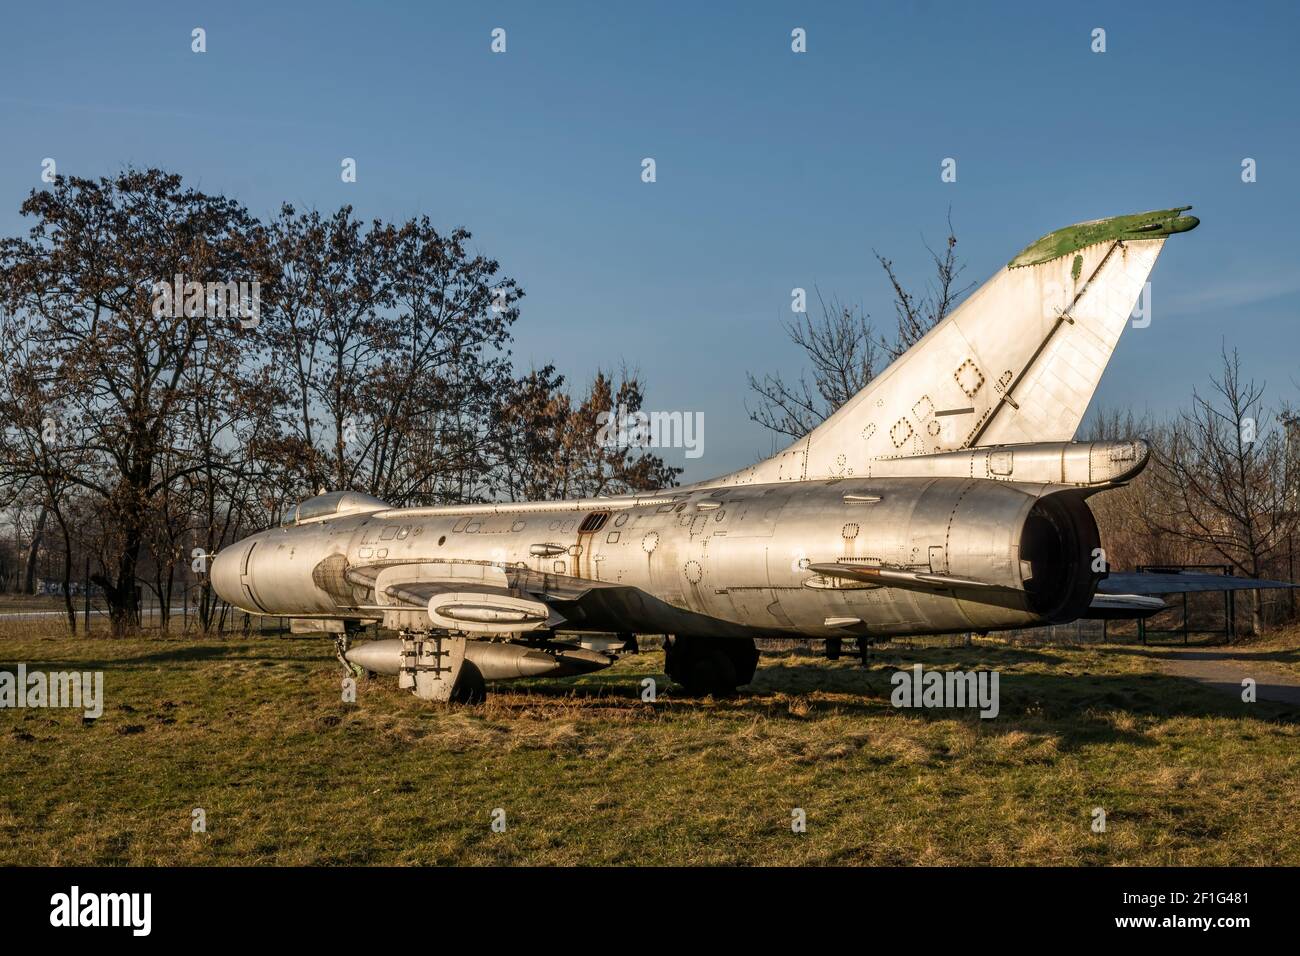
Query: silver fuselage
pixel 729 561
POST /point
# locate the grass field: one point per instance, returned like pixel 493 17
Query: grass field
pixel 254 732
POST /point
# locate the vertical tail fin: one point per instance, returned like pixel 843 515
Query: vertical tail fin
pixel 1018 361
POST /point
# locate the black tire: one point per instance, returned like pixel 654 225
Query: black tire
pixel 710 666
pixel 744 659
pixel 710 673
pixel 675 656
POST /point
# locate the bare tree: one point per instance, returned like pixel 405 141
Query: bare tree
pixel 379 361
pixel 529 429
pixel 37 462
pixel 554 446
pixel 431 427
pixel 1223 480
pixel 1124 515
pixel 33 549
pixel 844 350
pixel 395 340
pixel 103 360
pixel 328 320
pixel 841 347
pixel 918 314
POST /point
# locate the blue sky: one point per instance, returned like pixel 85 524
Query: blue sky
pixel 775 170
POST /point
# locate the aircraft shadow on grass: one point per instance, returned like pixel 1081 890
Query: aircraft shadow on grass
pixel 181 653
pixel 1074 706
pixel 1058 703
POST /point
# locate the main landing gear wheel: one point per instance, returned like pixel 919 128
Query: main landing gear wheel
pixel 710 666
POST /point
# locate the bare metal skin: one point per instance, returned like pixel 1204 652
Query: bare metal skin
pixel 947 496
pixel 731 562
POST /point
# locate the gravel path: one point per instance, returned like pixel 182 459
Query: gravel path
pixel 1225 670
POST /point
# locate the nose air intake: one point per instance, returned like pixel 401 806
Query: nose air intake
pixel 223 574
pixel 231 578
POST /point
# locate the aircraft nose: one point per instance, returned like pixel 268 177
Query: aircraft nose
pixel 224 573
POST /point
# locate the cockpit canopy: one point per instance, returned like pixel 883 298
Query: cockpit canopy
pixel 331 505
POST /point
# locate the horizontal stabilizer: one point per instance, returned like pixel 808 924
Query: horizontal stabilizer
pixel 1123 606
pixel 1180 582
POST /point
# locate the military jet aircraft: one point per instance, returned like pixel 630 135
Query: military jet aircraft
pixel 948 495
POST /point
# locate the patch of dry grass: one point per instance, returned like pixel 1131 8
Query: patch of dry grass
pixel 254 732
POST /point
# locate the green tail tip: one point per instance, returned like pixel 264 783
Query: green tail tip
pixel 1143 225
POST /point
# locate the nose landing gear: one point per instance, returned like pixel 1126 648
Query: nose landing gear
pixel 342 643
